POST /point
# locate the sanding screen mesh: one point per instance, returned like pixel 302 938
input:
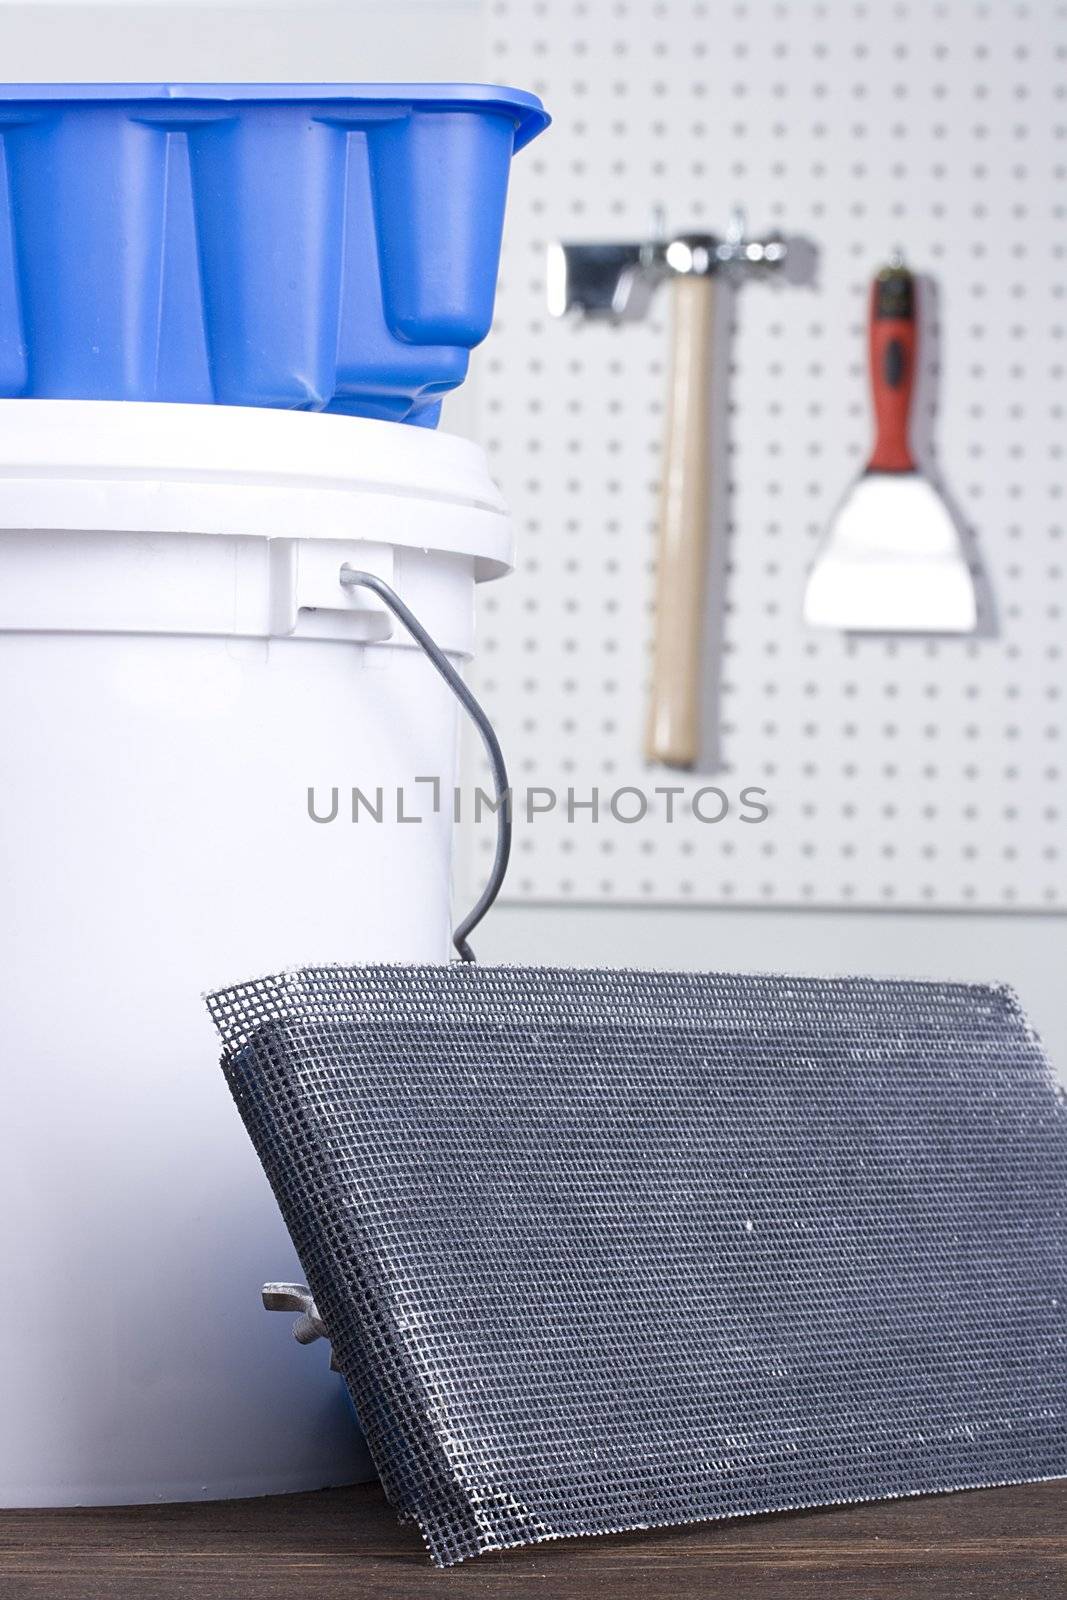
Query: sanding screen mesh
pixel 604 1250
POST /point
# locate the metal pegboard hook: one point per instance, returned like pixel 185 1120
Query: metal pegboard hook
pixel 309 1326
pixel 353 579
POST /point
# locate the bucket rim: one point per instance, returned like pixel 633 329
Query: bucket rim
pixel 152 466
pixel 525 109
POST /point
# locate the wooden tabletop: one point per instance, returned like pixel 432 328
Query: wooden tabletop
pixel 345 1542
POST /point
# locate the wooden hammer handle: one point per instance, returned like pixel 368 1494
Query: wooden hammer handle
pixel 673 731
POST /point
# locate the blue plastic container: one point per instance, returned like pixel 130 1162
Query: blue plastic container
pixel 310 246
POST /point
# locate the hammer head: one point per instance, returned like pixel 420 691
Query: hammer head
pixel 615 282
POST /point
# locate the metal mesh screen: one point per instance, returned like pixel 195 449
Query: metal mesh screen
pixel 604 1250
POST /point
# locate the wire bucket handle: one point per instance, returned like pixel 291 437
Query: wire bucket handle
pixel 353 579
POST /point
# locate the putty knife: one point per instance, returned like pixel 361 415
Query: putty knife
pixel 892 561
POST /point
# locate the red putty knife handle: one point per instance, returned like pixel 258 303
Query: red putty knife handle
pixel 894 345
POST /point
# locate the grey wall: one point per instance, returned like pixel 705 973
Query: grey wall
pixel 405 40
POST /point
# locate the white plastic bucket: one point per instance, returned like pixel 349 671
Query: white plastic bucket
pixel 179 663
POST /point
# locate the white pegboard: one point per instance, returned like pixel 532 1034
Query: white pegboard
pixel 907 772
